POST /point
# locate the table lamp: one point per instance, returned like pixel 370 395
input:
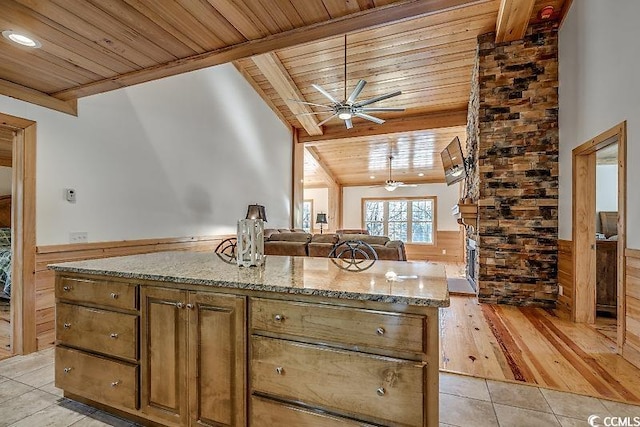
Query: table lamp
pixel 321 218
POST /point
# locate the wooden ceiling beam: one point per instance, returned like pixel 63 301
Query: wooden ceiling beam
pixel 513 19
pixel 444 119
pixel 272 69
pixel 33 96
pixel 370 18
pixel 323 170
pixel 260 92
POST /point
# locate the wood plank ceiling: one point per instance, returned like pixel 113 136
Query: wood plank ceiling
pixel 423 47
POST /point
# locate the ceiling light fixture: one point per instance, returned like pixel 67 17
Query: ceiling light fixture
pixel 21 39
pixel 420 174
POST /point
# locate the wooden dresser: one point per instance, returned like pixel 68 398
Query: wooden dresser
pixel 178 354
pixel 606 276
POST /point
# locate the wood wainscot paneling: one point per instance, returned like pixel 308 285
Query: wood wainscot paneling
pixel 449 241
pixel 631 347
pixel 565 274
pixel 45 255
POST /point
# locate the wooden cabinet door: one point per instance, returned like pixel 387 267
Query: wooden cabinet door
pixel 163 351
pixel 217 364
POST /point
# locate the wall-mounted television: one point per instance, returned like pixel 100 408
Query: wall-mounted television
pixel 453 162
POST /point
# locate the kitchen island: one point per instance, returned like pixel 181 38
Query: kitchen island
pixel 185 338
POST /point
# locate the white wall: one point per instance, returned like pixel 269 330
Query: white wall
pixel 447 196
pixel 320 197
pixel 5 180
pixel 599 88
pixel 606 188
pixel 179 156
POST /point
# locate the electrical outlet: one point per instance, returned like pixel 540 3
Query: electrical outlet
pixel 444 252
pixel 78 237
pixel 560 290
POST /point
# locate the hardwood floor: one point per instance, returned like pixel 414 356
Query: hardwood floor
pixel 534 346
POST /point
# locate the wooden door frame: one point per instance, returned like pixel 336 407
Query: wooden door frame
pixel 583 229
pixel 23 222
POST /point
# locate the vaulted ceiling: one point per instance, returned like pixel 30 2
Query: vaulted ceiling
pixel 425 48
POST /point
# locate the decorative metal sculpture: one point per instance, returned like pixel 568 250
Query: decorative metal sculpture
pixel 226 250
pixel 353 255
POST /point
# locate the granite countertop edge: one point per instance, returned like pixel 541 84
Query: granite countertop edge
pixel 392 299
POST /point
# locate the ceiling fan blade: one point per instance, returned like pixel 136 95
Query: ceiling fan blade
pixel 327 119
pixel 356 91
pixel 374 109
pixel 377 98
pixel 348 123
pixel 314 112
pixel 325 93
pixel 370 118
pixel 408 185
pixel 310 103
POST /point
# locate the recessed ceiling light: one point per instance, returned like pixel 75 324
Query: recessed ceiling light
pixel 21 39
pixel 372 177
pixel 420 174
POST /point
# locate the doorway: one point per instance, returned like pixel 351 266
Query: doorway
pixel 599 236
pixel 7 137
pixel 23 233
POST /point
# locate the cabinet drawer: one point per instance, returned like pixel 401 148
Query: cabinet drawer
pixel 354 327
pixel 103 331
pixel 267 413
pixel 351 383
pixel 97 378
pixel 99 292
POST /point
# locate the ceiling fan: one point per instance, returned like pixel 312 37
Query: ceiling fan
pixel 349 107
pixel 390 184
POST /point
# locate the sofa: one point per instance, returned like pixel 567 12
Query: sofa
pixel 299 243
pixel 291 242
pixel 385 248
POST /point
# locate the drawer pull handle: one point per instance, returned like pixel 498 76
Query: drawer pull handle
pixel 278 317
pixel 380 331
pixel 179 305
pixel 115 383
pixel 114 335
pixel 114 295
pixel 67 325
pixel 190 306
pixel 279 370
pixel 67 370
pixel 381 391
pixel 66 288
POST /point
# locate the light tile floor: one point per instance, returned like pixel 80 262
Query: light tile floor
pixel 28 398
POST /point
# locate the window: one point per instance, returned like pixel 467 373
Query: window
pixel 307 215
pixel 411 220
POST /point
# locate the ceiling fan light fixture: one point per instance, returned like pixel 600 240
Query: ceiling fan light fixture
pixel 457 172
pixel 21 39
pixel 390 187
pixel 345 115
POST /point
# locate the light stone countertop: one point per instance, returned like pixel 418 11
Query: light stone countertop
pixel 410 283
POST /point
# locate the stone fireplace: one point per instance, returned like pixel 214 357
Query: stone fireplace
pixel 512 148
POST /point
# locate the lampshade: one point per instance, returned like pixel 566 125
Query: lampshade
pixel 256 212
pixel 321 218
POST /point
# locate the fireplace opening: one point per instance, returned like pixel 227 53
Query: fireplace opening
pixel 472 255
